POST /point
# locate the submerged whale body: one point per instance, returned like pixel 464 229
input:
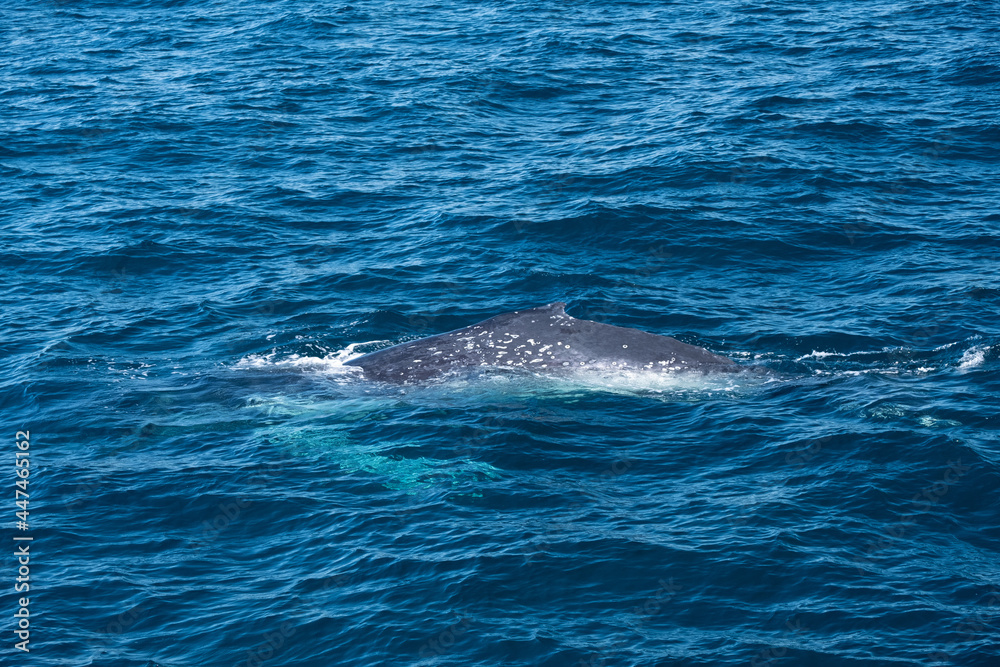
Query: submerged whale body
pixel 543 340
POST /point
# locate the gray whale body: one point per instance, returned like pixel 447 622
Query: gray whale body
pixel 542 340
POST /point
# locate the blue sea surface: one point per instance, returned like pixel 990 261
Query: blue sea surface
pixel 208 207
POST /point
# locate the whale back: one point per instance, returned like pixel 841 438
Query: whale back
pixel 543 339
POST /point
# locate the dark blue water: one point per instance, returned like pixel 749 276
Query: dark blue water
pixel 208 207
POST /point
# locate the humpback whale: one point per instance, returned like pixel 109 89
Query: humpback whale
pixel 540 340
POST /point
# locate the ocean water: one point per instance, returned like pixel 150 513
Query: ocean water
pixel 208 207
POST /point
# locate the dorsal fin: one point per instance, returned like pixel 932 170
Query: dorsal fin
pixel 554 308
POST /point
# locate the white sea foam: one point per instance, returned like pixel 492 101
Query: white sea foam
pixel 819 354
pixel 621 381
pixel 816 354
pixel 334 363
pixel 973 357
